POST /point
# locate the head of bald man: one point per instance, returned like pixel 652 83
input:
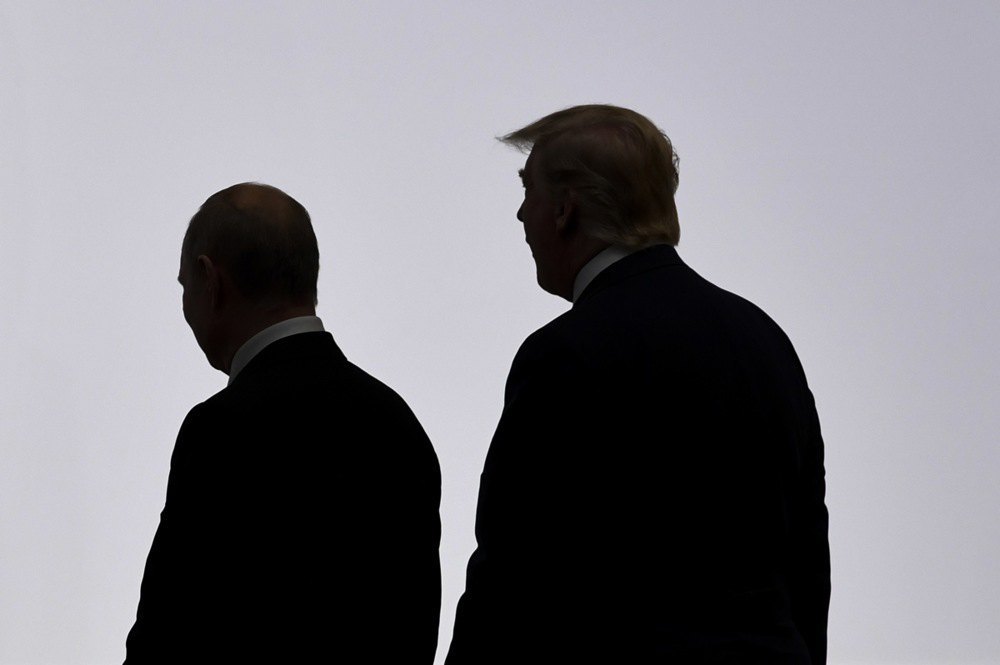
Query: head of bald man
pixel 249 259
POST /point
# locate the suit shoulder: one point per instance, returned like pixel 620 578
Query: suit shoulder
pixel 364 386
pixel 376 399
pixel 670 313
pixel 204 413
pixel 548 340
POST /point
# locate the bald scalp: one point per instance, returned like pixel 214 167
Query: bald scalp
pixel 621 167
pixel 263 238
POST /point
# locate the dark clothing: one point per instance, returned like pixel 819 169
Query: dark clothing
pixel 301 518
pixel 654 492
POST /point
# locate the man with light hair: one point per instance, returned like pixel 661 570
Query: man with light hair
pixel 654 491
pixel 301 517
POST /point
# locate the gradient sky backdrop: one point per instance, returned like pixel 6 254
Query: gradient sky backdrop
pixel 839 167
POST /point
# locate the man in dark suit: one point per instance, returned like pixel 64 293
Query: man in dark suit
pixel 654 491
pixel 301 518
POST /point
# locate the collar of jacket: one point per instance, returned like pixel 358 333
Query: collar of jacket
pixel 638 262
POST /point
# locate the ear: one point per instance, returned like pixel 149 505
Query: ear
pixel 566 212
pixel 213 279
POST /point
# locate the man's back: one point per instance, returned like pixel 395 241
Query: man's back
pixel 654 490
pixel 301 517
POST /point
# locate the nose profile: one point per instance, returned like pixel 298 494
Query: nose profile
pixel 520 217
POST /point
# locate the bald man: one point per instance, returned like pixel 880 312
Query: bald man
pixel 301 516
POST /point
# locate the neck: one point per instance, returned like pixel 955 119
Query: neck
pixel 250 322
pixel 579 254
pixel 595 266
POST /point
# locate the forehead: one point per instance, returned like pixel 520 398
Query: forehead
pixel 182 269
pixel 527 172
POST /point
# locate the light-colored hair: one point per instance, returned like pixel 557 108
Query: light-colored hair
pixel 621 167
pixel 264 237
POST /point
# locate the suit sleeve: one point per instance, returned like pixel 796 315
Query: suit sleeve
pixel 529 516
pixel 809 582
pixel 390 575
pixel 174 568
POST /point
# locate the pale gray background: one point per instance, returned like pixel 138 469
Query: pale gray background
pixel 839 168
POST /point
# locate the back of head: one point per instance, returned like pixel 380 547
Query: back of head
pixel 263 238
pixel 621 167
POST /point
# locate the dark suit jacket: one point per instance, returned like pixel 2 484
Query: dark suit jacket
pixel 654 491
pixel 301 518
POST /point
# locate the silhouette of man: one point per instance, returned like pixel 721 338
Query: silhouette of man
pixel 301 517
pixel 654 491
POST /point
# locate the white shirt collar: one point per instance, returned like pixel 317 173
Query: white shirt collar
pixel 596 266
pixel 280 330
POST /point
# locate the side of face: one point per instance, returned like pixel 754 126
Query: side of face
pixel 540 214
pixel 197 304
